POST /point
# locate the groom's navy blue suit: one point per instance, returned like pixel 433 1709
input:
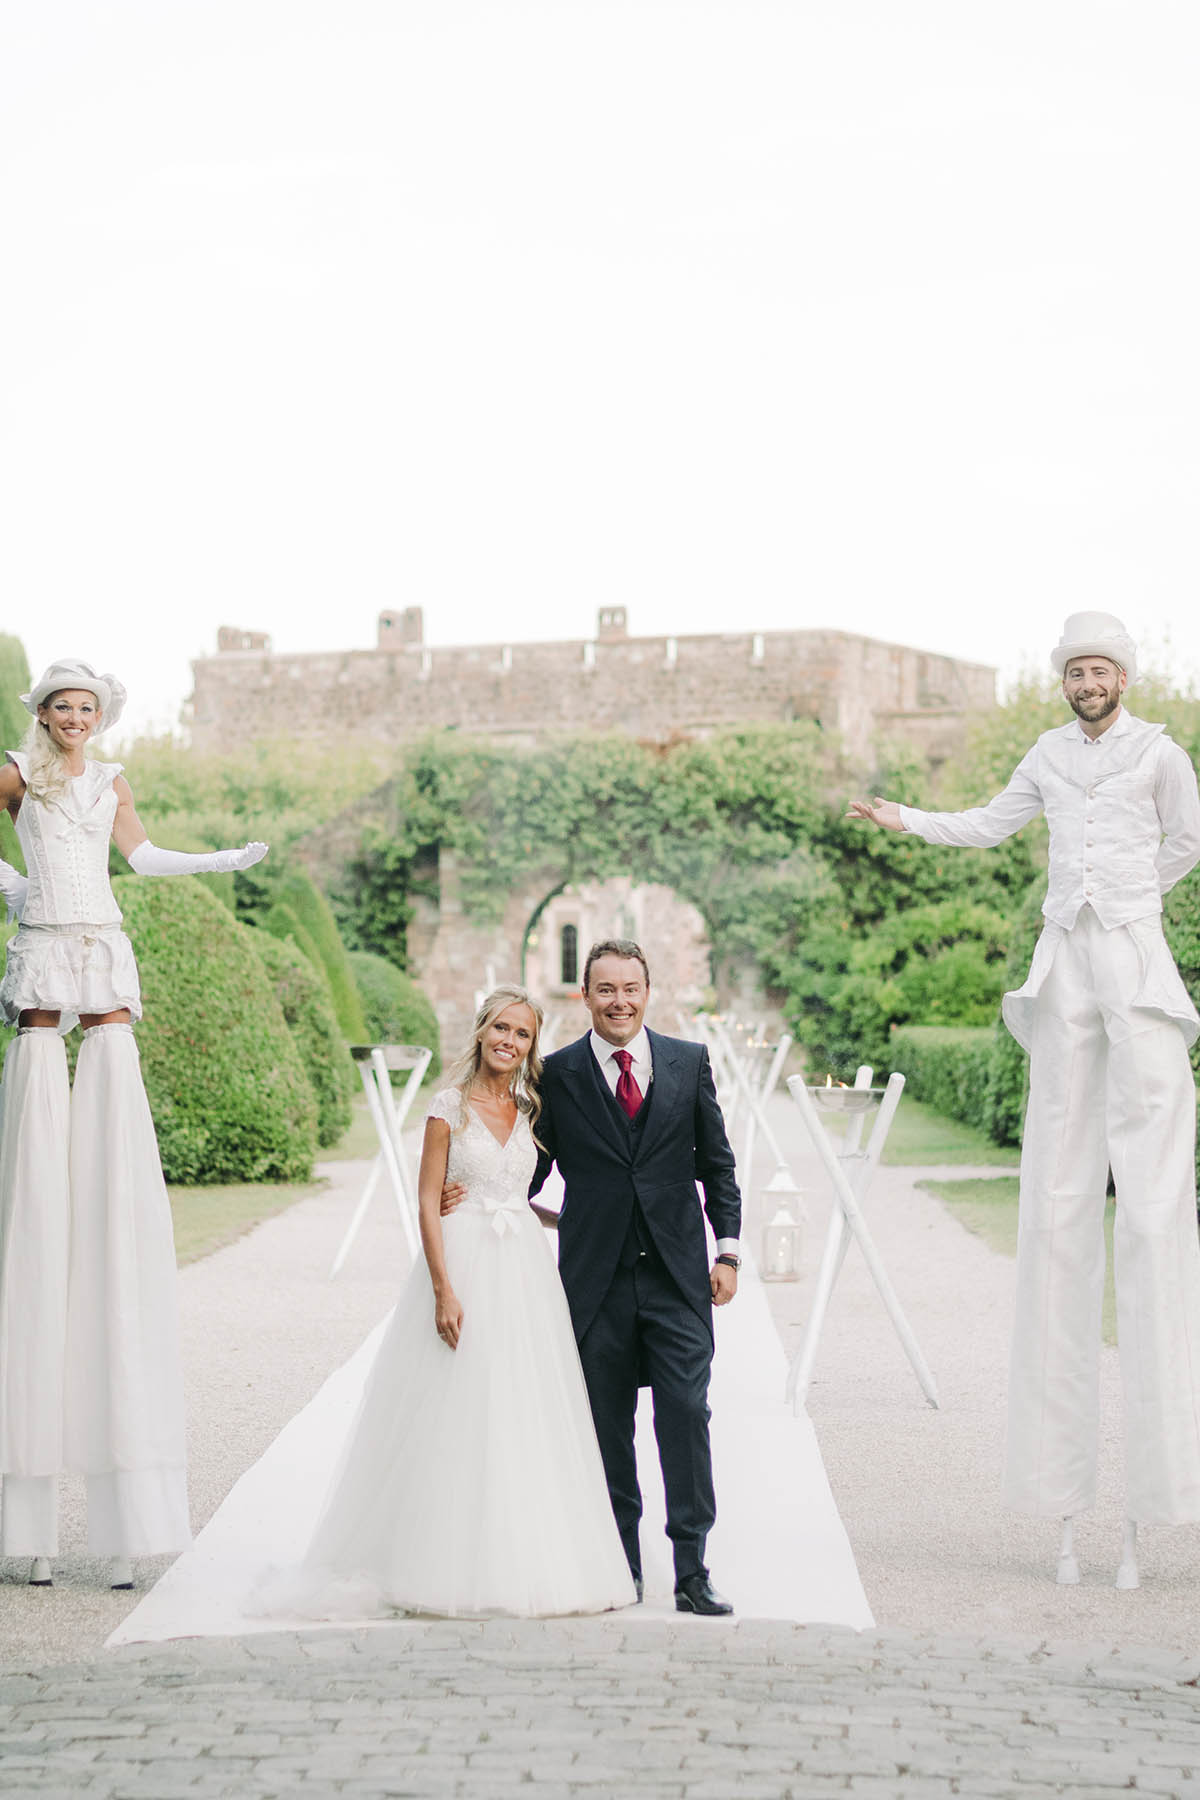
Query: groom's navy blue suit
pixel 634 1262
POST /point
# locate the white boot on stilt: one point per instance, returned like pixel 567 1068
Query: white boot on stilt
pixel 40 1574
pixel 34 1235
pixel 1067 1574
pixel 1127 1569
pixel 124 1391
pixel 120 1574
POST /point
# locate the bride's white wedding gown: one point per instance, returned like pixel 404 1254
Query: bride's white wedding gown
pixel 471 1482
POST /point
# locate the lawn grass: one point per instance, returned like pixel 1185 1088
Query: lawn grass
pixel 988 1207
pixel 208 1218
pixel 920 1135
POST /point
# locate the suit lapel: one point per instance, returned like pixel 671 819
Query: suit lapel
pixel 589 1091
pixel 664 1088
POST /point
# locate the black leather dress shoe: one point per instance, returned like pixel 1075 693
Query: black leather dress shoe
pixel 696 1594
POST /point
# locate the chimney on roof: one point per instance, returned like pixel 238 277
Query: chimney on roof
pixel 611 625
pixel 401 630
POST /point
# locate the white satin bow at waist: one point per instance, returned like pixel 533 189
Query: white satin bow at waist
pixel 505 1211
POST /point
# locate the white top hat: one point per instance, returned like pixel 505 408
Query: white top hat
pixel 1095 634
pixel 69 672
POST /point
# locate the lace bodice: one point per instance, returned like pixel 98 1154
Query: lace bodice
pixel 496 1176
pixel 66 849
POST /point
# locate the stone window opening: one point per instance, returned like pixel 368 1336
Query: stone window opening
pixel 569 956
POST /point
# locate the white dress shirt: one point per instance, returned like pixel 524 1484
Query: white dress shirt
pixel 1123 812
pixel 642 1070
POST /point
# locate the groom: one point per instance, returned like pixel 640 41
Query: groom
pixel 632 1120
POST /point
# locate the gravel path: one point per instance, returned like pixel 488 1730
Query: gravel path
pixel 983 1678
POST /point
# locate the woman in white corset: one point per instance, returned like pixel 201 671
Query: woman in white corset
pixel 89 1353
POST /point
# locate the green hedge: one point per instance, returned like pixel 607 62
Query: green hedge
pixel 396 1010
pixel 947 1067
pixel 227 1088
pixel 301 911
pixel 303 998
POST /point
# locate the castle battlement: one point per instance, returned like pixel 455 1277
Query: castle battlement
pixel 654 688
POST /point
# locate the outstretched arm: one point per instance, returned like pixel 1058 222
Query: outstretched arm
pixel 883 812
pixel 145 858
pixel 979 827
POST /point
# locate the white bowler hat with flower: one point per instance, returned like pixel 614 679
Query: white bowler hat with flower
pixel 69 672
pixel 1095 634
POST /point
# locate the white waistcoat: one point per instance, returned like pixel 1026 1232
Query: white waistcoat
pixel 66 849
pixel 1124 820
pixel 1105 828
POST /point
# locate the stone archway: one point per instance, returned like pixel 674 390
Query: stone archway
pixel 456 957
pixel 568 921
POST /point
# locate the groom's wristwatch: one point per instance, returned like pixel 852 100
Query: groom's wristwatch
pixel 731 1262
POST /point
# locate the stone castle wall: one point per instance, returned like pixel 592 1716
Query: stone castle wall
pixel 654 688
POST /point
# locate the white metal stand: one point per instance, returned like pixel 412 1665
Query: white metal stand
pixel 754 1093
pixel 388 1113
pixel 847 1221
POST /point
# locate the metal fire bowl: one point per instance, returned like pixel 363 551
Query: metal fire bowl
pixel 845 1099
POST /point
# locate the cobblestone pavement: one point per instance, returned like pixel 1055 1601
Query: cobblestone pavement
pixel 690 1708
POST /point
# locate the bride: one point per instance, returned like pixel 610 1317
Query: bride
pixel 471 1482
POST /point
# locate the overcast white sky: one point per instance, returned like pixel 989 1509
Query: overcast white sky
pixel 745 315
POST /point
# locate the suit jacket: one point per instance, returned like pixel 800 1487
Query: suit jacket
pixel 606 1166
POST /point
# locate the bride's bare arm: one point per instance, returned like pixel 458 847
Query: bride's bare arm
pixel 435 1151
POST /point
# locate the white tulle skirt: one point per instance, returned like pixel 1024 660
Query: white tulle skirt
pixel 471 1482
pixel 69 969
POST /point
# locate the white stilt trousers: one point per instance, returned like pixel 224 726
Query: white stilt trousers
pixel 89 1343
pixel 1110 1083
pixel 34 1235
pixel 123 1413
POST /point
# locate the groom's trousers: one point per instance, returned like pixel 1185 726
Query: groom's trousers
pixel 645 1333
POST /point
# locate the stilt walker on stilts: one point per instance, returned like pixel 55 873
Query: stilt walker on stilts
pixel 1108 1023
pixel 89 1344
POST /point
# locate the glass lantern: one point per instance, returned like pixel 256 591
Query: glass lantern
pixel 783 1236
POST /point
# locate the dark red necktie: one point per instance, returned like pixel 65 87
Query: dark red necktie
pixel 629 1094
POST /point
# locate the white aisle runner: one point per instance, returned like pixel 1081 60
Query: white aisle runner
pixel 778 1551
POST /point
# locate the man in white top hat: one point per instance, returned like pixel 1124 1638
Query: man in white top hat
pixel 1107 1021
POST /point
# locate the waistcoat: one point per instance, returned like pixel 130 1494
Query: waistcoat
pixel 1105 830
pixel 66 849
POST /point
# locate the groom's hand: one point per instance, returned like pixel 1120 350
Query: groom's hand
pixel 453 1194
pixel 723 1282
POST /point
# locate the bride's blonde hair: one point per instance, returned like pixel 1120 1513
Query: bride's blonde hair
pixel 48 774
pixel 524 1083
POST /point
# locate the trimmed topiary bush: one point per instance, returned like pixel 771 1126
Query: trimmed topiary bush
pixel 303 997
pixel 397 1012
pixel 227 1088
pixel 300 911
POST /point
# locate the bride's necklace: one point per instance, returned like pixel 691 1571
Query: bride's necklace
pixel 497 1098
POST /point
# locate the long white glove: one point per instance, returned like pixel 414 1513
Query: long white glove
pixel 14 888
pixel 148 859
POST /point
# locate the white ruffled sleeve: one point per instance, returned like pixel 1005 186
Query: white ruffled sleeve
pixel 446 1105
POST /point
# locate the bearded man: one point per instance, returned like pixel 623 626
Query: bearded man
pixel 1107 1022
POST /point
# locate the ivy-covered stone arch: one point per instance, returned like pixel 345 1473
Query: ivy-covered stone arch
pixel 456 855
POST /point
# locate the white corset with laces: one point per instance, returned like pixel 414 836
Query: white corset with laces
pixel 66 849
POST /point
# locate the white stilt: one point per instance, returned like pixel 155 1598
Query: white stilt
pixel 1127 1570
pixel 1068 1567
pixel 40 1574
pixel 120 1572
